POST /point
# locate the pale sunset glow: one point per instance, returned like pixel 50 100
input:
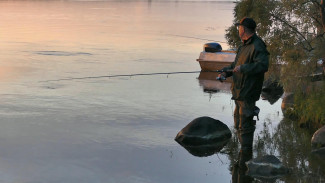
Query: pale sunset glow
pixel 62 120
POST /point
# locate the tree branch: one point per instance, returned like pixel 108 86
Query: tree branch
pixel 295 30
pixel 322 13
pixel 315 2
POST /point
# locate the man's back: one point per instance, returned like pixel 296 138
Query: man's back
pixel 252 57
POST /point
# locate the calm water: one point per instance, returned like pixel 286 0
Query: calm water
pixel 119 129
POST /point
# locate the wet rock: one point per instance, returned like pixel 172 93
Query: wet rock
pixel 287 102
pixel 271 91
pixel 318 139
pixel 266 167
pixel 202 131
pixel 204 136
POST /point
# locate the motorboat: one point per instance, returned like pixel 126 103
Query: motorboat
pixel 213 58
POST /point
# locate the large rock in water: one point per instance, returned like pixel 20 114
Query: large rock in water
pixel 202 131
pixel 271 91
pixel 204 136
pixel 266 167
pixel 318 139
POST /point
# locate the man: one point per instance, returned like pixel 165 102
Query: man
pixel 248 70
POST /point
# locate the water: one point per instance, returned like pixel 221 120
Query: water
pixel 113 129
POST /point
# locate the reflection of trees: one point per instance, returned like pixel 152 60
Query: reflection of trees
pixel 291 144
pixel 232 149
pixel 294 147
pixel 264 143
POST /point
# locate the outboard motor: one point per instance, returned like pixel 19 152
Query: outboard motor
pixel 212 47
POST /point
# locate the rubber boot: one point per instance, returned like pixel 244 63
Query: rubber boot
pixel 235 171
pixel 236 119
pixel 246 141
pixel 239 169
pixel 239 137
pixel 245 155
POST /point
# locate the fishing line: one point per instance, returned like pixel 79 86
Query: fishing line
pixel 130 75
pixel 143 74
pixel 195 38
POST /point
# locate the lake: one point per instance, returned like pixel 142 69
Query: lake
pixel 122 129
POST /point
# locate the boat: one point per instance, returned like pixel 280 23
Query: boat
pixel 214 58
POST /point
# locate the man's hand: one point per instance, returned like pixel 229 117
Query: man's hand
pixel 221 77
pixel 223 74
pixel 237 68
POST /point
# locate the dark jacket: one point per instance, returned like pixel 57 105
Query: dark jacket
pixel 253 59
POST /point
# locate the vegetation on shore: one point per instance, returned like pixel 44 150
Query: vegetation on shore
pixel 294 32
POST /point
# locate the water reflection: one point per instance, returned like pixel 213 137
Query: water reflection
pixel 287 141
pixel 294 146
pixel 290 144
pixel 205 150
pixel 207 80
pixel 239 169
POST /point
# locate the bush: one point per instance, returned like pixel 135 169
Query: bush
pixel 309 107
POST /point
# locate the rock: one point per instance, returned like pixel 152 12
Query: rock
pixel 287 102
pixel 271 91
pixel 204 136
pixel 266 167
pixel 318 139
pixel 203 131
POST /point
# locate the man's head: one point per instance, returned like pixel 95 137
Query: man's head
pixel 246 27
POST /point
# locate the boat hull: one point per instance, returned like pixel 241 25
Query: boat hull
pixel 212 65
pixel 215 61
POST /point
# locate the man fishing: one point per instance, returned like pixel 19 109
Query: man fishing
pixel 248 70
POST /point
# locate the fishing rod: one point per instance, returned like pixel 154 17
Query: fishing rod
pixel 139 74
pixel 192 37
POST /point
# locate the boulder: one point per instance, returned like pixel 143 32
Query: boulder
pixel 204 136
pixel 318 139
pixel 271 91
pixel 266 167
pixel 203 131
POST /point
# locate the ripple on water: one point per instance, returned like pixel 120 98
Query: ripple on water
pixel 61 53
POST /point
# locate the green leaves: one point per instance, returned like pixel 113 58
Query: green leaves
pixel 294 34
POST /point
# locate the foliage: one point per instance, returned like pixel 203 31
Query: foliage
pixel 295 38
pixel 292 145
pixel 310 107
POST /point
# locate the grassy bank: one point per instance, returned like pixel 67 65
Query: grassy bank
pixel 308 108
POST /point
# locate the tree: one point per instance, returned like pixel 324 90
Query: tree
pixel 322 10
pixel 294 32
